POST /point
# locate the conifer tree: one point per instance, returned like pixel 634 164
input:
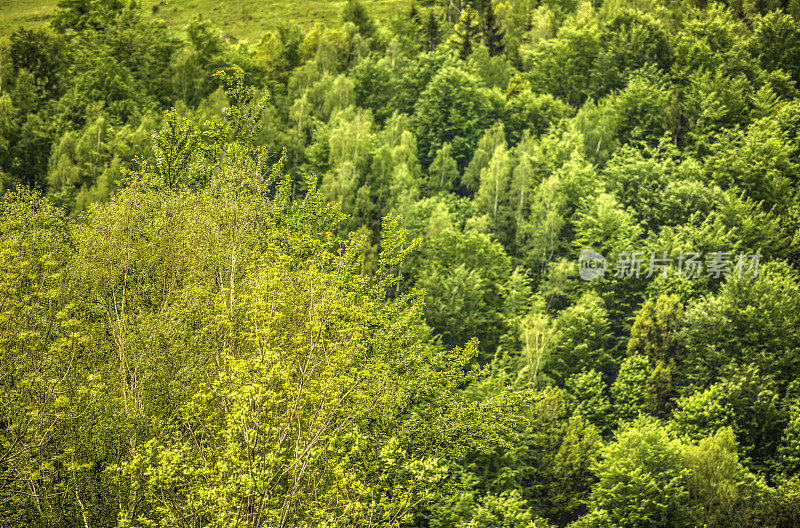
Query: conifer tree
pixel 467 32
pixel 356 13
pixel 432 31
pixel 414 14
pixel 493 34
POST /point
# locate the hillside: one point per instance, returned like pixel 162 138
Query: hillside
pixel 243 19
pixel 449 264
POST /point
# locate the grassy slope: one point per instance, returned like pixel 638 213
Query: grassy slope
pixel 29 13
pixel 240 18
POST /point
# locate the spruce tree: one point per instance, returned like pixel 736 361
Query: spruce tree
pixel 432 32
pixel 467 32
pixel 414 14
pixel 493 34
pixel 356 13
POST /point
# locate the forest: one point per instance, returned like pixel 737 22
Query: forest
pixel 450 264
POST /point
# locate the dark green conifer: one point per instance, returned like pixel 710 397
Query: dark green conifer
pixel 432 31
pixel 467 32
pixel 493 34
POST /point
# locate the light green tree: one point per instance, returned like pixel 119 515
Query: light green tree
pixel 642 480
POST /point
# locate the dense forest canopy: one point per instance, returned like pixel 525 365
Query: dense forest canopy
pixel 477 264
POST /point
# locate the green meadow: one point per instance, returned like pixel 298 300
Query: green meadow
pixel 243 19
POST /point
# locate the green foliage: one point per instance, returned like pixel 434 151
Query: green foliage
pixel 629 391
pixel 493 34
pixel 562 66
pixel 603 224
pixel 463 274
pixel 628 42
pixel 494 196
pixel 443 175
pixel 551 460
pixel 745 400
pixel 759 162
pixel 590 394
pixel 703 413
pixel 174 147
pixel 721 491
pixel 641 479
pixel 453 109
pixel 467 33
pixel 80 15
pixel 43 333
pixel 218 406
pixel 759 325
pixel 506 509
pixel 482 156
pixel 653 331
pixel 532 112
pixel 212 308
pixel 40 54
pixel 584 339
pixel 790 461
pixel 356 13
pixel 775 43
